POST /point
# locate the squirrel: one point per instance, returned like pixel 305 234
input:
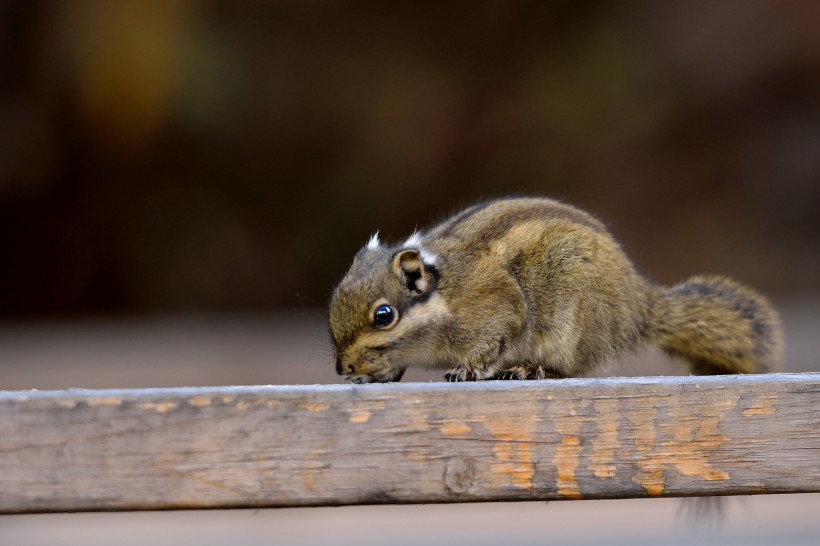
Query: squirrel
pixel 532 288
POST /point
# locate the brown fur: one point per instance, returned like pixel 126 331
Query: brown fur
pixel 531 288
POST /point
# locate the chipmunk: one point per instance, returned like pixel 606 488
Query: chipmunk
pixel 531 288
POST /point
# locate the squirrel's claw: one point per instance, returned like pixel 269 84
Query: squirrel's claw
pixel 459 373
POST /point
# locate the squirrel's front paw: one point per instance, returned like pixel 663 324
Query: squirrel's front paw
pixel 519 373
pixel 360 379
pixel 459 373
pixel 377 377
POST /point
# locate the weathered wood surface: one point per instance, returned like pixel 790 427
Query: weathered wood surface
pixel 408 443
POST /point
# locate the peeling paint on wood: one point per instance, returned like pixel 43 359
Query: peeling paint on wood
pixel 104 402
pixel 199 401
pixel 513 450
pixel 605 443
pixel 159 407
pixel 359 416
pixel 763 405
pixel 455 428
pixel 567 456
pixel 397 443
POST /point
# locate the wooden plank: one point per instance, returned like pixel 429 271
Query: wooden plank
pixel 408 443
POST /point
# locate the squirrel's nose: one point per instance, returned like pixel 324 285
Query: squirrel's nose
pixel 343 369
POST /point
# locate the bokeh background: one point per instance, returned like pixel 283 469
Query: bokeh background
pixel 183 182
pixel 164 156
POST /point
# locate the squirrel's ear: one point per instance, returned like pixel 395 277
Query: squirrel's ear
pixel 408 266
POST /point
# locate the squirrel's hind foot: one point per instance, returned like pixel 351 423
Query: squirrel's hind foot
pixel 459 373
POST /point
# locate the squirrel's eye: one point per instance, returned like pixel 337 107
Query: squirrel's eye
pixel 384 316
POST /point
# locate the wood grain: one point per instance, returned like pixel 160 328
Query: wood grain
pixel 229 447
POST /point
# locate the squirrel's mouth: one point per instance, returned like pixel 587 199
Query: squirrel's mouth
pixel 369 374
pixel 389 377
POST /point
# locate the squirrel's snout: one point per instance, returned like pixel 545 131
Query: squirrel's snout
pixel 342 369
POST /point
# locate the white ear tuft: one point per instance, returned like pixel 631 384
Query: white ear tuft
pixel 428 257
pixel 374 242
pixel 413 241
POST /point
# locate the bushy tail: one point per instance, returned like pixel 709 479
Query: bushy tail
pixel 719 326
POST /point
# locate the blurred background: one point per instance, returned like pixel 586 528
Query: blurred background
pixel 183 182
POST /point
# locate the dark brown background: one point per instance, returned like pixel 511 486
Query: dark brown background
pixel 182 182
pixel 173 156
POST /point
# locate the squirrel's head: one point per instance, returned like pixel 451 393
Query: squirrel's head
pixel 386 313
